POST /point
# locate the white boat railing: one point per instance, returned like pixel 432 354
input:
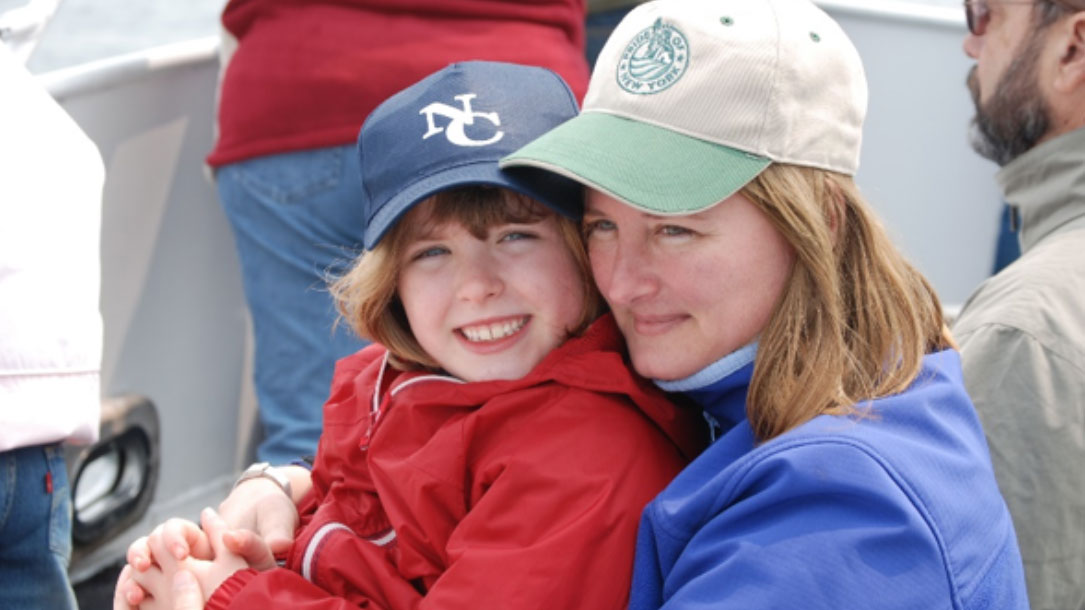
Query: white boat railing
pixel 21 27
pixel 175 320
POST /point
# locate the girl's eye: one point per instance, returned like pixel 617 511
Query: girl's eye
pixel 429 253
pixel 516 236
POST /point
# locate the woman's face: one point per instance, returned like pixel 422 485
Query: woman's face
pixel 686 290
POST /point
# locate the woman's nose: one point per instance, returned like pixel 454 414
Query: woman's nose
pixel 624 274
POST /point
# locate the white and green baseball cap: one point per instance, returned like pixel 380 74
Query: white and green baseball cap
pixel 691 99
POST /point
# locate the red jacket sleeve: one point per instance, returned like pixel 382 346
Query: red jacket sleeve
pixel 340 473
pixel 554 502
pixel 359 563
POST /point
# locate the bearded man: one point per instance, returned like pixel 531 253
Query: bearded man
pixel 1022 333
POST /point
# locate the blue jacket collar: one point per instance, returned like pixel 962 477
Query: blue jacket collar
pixel 720 388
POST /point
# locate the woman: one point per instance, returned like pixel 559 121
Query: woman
pixel 718 142
pixel 747 274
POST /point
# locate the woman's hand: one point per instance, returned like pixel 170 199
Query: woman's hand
pixel 260 506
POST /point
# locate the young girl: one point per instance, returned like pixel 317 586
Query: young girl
pixel 495 450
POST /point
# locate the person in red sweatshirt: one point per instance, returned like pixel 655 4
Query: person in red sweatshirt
pixel 492 448
pixel 298 78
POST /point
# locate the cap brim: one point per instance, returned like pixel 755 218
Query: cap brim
pixel 556 192
pixel 647 166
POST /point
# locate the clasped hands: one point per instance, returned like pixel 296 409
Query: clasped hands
pixel 179 565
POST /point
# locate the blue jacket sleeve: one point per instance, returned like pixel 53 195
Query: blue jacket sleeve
pixel 821 524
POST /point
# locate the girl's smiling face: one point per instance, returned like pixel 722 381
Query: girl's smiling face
pixel 686 290
pixel 490 307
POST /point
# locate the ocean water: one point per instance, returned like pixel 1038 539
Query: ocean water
pixel 85 30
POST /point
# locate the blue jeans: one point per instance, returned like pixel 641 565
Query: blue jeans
pixel 296 220
pixel 35 529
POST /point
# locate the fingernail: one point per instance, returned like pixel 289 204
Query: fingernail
pixel 178 551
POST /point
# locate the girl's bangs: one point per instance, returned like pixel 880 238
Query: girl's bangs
pixel 478 208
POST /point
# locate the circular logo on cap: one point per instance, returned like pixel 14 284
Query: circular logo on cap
pixel 654 60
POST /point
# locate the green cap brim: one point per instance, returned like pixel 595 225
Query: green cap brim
pixel 649 167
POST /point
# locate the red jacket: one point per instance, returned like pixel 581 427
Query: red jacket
pixel 306 73
pixel 520 494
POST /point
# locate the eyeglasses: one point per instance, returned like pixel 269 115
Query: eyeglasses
pixel 977 13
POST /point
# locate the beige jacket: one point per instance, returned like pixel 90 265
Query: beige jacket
pixel 1022 336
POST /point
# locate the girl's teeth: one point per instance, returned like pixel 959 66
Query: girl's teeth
pixel 492 332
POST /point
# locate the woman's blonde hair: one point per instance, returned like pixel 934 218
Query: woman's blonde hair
pixel 367 297
pixel 854 320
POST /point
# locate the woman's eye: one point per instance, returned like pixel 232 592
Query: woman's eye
pixel 598 226
pixel 673 231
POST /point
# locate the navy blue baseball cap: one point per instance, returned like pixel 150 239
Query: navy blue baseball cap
pixel 451 128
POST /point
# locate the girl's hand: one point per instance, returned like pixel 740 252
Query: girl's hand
pixel 211 574
pixel 180 536
pixel 127 595
pixel 186 592
pixel 181 539
pixel 159 582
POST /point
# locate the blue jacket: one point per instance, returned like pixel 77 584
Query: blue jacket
pixel 894 508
